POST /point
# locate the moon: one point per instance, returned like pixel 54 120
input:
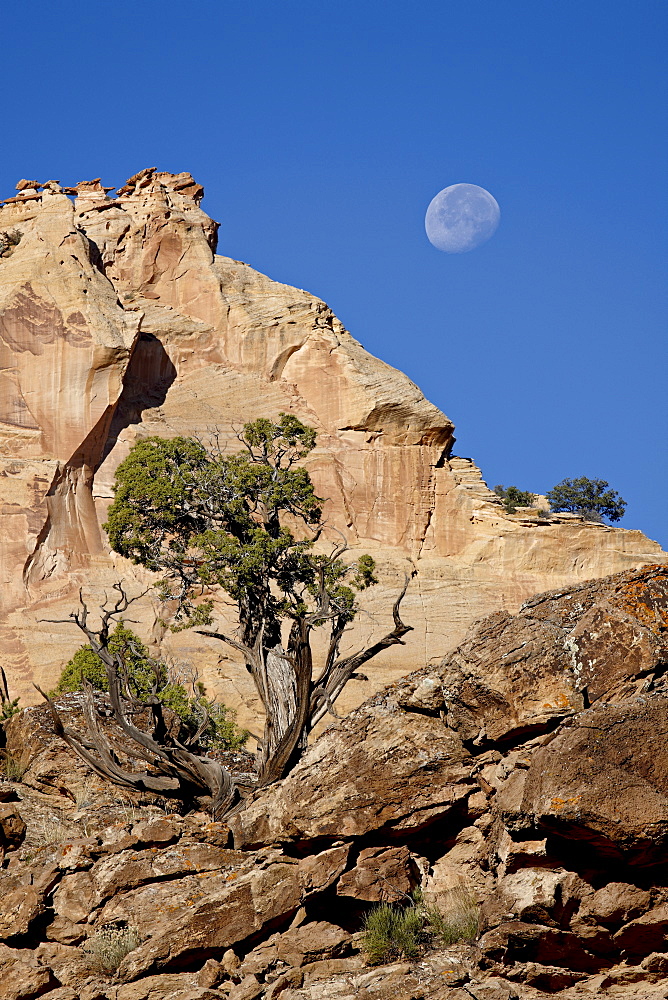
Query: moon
pixel 461 217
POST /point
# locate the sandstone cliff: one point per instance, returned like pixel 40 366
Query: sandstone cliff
pixel 117 320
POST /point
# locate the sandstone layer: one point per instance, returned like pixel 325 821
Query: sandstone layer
pixel 118 320
pixel 521 784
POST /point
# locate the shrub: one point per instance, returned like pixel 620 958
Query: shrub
pixel 513 497
pixel 462 922
pixel 402 932
pixel 392 932
pixel 587 497
pixel 87 665
pixel 109 946
pixel 8 709
pixel 143 674
pixel 222 732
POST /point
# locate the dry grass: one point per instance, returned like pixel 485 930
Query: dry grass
pixel 52 830
pixel 12 766
pixel 107 948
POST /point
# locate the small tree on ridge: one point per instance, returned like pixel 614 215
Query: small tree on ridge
pixel 588 497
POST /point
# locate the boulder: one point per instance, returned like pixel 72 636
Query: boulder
pixel 312 942
pixel 518 675
pixel 380 768
pixel 179 919
pixel 604 780
pixel 380 875
pixel 616 903
pixel 12 827
pixel 646 934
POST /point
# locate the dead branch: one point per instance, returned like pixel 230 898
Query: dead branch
pixel 171 768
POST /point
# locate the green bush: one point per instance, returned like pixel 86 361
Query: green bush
pixel 393 932
pixel 513 497
pixel 222 732
pixel 589 498
pixel 403 932
pixel 8 709
pixel 143 673
pixel 87 665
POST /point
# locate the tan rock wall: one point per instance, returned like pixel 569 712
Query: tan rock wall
pixel 117 320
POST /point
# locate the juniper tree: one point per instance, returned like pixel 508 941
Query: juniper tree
pixel 247 525
pixel 588 497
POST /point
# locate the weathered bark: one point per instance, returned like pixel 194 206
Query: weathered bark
pixel 293 702
pixel 172 770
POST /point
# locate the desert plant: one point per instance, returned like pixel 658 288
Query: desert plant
pixel 87 665
pixel 52 830
pixel 144 677
pixel 589 498
pixel 215 522
pixel 85 795
pixel 402 932
pixel 13 767
pixel 460 922
pixel 107 948
pixel 513 497
pixel 393 932
pixel 211 523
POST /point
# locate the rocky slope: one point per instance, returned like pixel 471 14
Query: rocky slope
pixel 117 319
pixel 524 778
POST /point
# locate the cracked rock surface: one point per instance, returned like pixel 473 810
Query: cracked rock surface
pixel 523 781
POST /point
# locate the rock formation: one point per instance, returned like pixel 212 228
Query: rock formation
pixel 525 778
pixel 117 320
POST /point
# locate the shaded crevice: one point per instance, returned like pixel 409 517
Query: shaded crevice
pixel 146 383
pixel 71 527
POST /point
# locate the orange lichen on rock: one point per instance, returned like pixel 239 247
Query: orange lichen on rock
pixel 645 598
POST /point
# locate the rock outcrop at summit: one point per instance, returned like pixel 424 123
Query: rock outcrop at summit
pixel 522 781
pixel 118 320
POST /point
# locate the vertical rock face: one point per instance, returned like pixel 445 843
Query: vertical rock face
pixel 117 320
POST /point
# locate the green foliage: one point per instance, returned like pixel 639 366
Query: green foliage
pixel 208 520
pixel 274 440
pixel 589 498
pixel 221 733
pixel 87 665
pixel 513 497
pixel 145 676
pixel 8 709
pixel 393 932
pixel 402 932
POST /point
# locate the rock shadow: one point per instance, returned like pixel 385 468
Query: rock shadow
pixel 146 383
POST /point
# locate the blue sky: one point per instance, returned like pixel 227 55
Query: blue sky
pixel 321 131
